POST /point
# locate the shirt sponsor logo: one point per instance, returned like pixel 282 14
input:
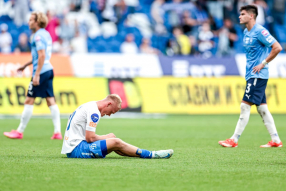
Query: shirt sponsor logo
pixel 264 32
pixel 270 39
pixel 37 38
pixel 95 117
pixel 92 124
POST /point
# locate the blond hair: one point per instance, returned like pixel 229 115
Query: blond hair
pixel 41 19
pixel 116 99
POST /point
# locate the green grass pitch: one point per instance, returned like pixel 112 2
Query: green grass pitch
pixel 198 163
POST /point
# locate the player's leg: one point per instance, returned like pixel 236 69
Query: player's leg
pixel 124 149
pixel 99 149
pixel 245 107
pixel 51 102
pixel 243 120
pixel 27 113
pixel 269 124
pixel 55 112
pixel 25 118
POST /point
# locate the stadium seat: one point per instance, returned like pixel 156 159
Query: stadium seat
pixel 280 32
pixel 108 29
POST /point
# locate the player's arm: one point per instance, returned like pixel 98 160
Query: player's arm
pixel 91 123
pixel 41 47
pixel 90 136
pixel 266 39
pixel 41 60
pixel 24 66
pixel 276 48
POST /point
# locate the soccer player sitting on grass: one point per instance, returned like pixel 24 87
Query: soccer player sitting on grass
pixel 80 140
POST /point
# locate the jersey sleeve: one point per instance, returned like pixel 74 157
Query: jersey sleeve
pixel 40 43
pixel 266 38
pixel 93 118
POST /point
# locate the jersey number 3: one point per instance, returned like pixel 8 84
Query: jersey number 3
pixel 248 88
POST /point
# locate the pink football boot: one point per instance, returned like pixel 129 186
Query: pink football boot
pixel 57 136
pixel 14 134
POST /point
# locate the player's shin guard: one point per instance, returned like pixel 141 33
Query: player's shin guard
pixel 242 122
pixel 25 118
pixel 56 118
pixel 268 122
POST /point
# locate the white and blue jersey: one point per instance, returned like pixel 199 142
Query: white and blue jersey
pixel 41 40
pixel 84 118
pixel 256 43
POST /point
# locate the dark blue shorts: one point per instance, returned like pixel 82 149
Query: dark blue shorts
pixel 255 91
pixel 45 89
pixel 96 149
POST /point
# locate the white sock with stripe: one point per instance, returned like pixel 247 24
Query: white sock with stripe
pixel 25 118
pixel 242 122
pixel 56 118
pixel 268 122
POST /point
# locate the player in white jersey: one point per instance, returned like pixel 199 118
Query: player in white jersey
pixel 41 84
pixel 81 141
pixel 257 41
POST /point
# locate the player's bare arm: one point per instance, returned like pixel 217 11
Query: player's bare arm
pixel 20 69
pixel 276 48
pixel 41 60
pixel 92 137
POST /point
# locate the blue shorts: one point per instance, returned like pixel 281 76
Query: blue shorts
pixel 96 149
pixel 45 89
pixel 255 91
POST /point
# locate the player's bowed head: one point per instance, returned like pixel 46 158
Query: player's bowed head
pixel 109 105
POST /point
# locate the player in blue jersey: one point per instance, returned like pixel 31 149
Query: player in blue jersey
pixel 257 41
pixel 41 84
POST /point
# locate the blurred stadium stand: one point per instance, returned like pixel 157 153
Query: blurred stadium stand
pixel 102 25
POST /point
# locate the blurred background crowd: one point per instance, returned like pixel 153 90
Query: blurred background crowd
pixel 172 27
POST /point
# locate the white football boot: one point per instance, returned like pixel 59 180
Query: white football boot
pixel 162 154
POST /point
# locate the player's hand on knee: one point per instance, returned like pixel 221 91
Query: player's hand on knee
pixel 111 135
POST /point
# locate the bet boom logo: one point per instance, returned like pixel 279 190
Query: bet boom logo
pixel 15 95
pixel 129 93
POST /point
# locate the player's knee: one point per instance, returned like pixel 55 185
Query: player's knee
pixel 244 107
pixel 29 101
pixel 262 110
pixel 117 142
pixel 50 101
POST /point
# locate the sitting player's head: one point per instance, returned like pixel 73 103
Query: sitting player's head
pixel 248 13
pixel 110 105
pixel 37 20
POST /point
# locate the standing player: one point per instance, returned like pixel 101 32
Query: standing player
pixel 82 142
pixel 256 41
pixel 42 80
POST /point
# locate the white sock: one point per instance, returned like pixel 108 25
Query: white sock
pixel 242 122
pixel 56 118
pixel 25 118
pixel 268 122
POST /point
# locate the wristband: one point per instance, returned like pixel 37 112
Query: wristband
pixel 264 62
